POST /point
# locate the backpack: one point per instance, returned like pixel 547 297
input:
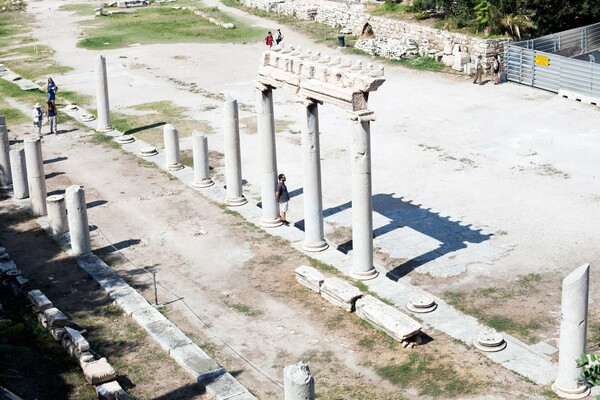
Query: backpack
pixel 278 35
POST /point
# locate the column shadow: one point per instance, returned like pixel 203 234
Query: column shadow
pixel 401 213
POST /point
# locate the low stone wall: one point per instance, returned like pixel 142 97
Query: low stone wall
pixel 392 38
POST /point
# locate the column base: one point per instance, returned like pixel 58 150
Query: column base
pixel 203 183
pixel 315 246
pixel 578 393
pixel 105 129
pixel 364 275
pixel 271 223
pixel 174 167
pixel 236 201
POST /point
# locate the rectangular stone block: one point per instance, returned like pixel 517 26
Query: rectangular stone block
pixel 98 371
pixel 222 386
pixel 55 318
pixel 167 335
pixel 340 293
pixel 111 391
pixel 387 318
pixel 39 301
pixel 77 339
pixel 7 266
pixel 194 359
pixel 310 277
pixel 129 300
pixel 57 333
pixel 147 316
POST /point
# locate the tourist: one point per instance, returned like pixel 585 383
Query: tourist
pixel 52 114
pixel 278 36
pixel 51 89
pixel 269 39
pixel 283 198
pixel 38 117
pixel 478 69
pixel 496 69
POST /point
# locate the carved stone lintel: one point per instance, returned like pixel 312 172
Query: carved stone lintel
pixel 364 115
pixel 306 101
pixel 262 87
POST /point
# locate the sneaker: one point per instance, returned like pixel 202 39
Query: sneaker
pixel 285 223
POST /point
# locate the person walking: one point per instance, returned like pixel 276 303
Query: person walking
pixel 496 69
pixel 269 39
pixel 283 198
pixel 478 69
pixel 51 88
pixel 52 114
pixel 38 117
pixel 278 36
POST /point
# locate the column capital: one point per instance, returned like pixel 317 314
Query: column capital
pixel 307 101
pixel 361 116
pixel 262 86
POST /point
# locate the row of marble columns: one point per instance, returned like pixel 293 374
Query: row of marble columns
pixel 362 218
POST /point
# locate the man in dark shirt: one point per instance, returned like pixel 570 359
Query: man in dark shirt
pixel 283 197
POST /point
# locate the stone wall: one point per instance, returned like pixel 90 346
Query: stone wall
pixel 392 38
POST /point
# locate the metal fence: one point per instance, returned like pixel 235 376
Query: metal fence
pixel 568 61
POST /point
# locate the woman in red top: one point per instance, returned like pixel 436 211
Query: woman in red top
pixel 269 39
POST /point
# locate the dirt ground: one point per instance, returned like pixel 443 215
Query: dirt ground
pixel 230 286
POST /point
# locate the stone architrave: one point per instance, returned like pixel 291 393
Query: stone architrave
pixel 19 173
pixel 298 383
pixel 314 237
pixel 171 141
pixel 78 221
pixel 57 214
pixel 267 156
pixel 35 176
pixel 362 204
pixel 200 154
pixel 233 163
pixel 102 104
pixel 5 172
pixel 573 330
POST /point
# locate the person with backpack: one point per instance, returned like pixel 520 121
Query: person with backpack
pixel 38 117
pixel 496 69
pixel 269 39
pixel 52 114
pixel 278 36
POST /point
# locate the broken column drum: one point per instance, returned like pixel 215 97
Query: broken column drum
pixel 267 150
pixel 57 214
pixel 102 96
pixel 200 154
pixel 323 79
pixel 171 141
pixel 314 237
pixel 298 383
pixel 78 220
pixel 573 330
pixel 233 163
pixel 35 176
pixel 19 173
pixel 5 172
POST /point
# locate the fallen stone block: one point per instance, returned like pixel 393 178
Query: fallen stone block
pixel 57 333
pixel 340 293
pixel 222 386
pixel 111 391
pixel 42 320
pixel 77 339
pixel 387 318
pixel 39 301
pixel 310 277
pixel 7 266
pixel 55 318
pixel 98 371
pixel 194 359
pixel 84 357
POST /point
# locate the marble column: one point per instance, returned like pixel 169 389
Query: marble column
pixel 573 330
pixel 35 176
pixel 267 156
pixel 233 161
pixel 78 221
pixel 5 173
pixel 19 173
pixel 171 142
pixel 102 105
pixel 200 154
pixel 298 383
pixel 314 237
pixel 57 214
pixel 362 204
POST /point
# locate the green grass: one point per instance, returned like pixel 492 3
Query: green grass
pixel 79 9
pixel 420 63
pixel 11 24
pixel 13 116
pixel 244 309
pixel 391 9
pixel 433 376
pixel 162 25
pixel 166 108
pixel 101 138
pixel 37 63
